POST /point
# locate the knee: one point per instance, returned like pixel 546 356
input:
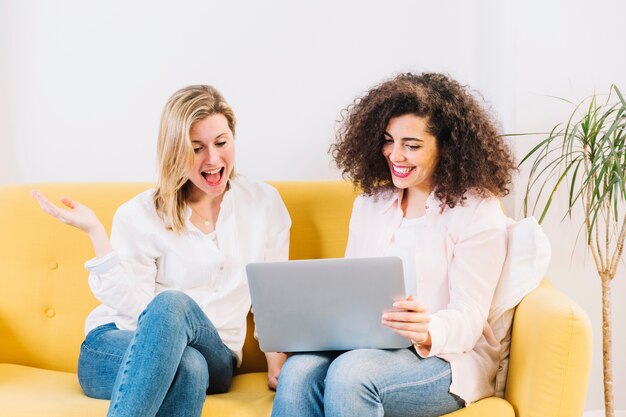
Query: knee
pixel 193 371
pixel 301 368
pixel 92 385
pixel 349 374
pixel 172 304
pixel 99 361
pixel 301 373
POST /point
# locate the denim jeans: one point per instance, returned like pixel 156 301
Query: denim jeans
pixel 363 383
pixel 164 368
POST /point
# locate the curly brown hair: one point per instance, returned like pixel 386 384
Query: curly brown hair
pixel 472 153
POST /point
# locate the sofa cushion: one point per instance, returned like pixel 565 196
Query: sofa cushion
pixel 527 260
pixel 28 392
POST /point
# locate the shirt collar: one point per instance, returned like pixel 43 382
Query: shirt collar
pixel 396 199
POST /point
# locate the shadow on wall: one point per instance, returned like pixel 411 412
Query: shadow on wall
pixel 8 164
pixel 7 158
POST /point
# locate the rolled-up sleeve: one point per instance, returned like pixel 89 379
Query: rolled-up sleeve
pixel 125 279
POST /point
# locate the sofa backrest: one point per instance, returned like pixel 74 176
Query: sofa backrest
pixel 44 295
pixel 320 213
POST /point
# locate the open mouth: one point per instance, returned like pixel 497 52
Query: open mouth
pixel 401 172
pixel 213 177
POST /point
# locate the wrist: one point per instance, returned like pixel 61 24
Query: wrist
pixel 424 346
pixel 96 231
pixel 100 240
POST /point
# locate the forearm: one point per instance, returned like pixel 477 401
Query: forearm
pixel 275 361
pixel 100 241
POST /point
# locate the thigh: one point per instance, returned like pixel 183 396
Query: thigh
pixel 300 390
pixel 100 358
pixel 403 383
pixel 306 367
pixel 171 322
pixel 204 338
pixel 219 358
pixel 221 363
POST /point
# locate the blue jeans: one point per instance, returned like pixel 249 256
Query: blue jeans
pixel 164 368
pixel 363 383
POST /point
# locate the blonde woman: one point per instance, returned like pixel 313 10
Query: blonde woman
pixel 171 279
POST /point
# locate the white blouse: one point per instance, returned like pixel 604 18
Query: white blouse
pixel 459 255
pixel 402 245
pixel 253 226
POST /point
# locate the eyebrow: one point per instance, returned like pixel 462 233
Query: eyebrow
pixel 217 137
pixel 405 139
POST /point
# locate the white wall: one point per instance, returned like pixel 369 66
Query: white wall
pixel 83 83
pixel 91 78
pixel 570 49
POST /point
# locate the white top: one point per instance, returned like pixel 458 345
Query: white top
pixel 403 244
pixel 253 226
pixel 459 256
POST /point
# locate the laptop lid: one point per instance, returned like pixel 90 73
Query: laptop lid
pixel 325 304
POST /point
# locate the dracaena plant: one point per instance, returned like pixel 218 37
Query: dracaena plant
pixel 587 156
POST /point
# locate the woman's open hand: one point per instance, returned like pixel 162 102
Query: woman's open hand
pixel 78 215
pixel 410 319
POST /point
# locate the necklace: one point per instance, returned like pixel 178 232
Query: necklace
pixel 207 222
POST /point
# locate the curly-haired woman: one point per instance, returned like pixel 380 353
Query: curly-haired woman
pixel 431 165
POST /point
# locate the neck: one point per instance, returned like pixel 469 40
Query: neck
pixel 414 201
pixel 204 206
pixel 202 201
pixel 206 203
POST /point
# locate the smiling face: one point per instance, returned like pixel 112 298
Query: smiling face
pixel 411 152
pixel 214 156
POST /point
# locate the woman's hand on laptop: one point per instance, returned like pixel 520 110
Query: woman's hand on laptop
pixel 275 361
pixel 410 319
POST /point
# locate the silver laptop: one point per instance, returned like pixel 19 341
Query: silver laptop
pixel 325 304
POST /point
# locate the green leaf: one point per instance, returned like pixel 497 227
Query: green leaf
pixel 587 155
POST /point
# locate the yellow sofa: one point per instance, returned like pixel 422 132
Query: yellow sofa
pixel 44 299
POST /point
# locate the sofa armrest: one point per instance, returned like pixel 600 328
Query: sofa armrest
pixel 550 357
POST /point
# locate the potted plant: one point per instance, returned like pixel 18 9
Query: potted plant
pixel 587 156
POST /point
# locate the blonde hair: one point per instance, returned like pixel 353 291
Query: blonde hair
pixel 174 149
